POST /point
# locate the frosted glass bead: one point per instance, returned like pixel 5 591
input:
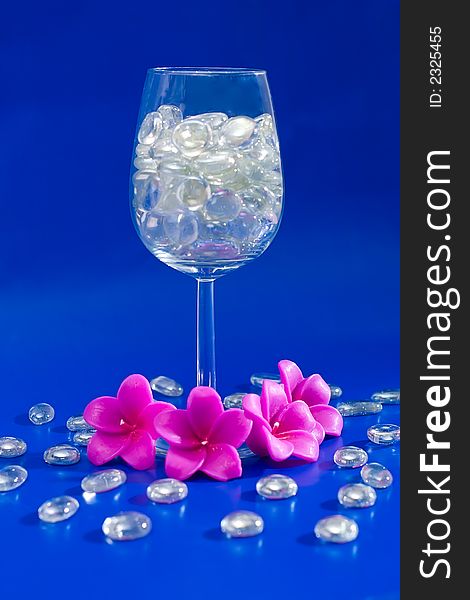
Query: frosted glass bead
pixel 358 409
pixel 181 229
pixel 192 137
pixel 11 477
pixel 83 438
pixel 350 457
pixel 384 434
pixel 214 119
pixel 166 386
pixel 239 131
pixel 357 495
pixel 63 454
pixel 257 378
pixel 171 115
pixel 167 491
pixel 194 192
pixel 376 475
pixel 58 509
pixel 387 397
pixel 276 487
pixel 103 481
pixel 41 413
pixel 234 400
pixel 223 206
pixel 11 447
pixel 77 423
pixel 241 524
pixel 337 529
pixel 150 128
pixel 127 526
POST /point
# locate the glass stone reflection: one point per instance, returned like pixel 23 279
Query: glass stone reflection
pixel 276 487
pixel 257 378
pixel 166 386
pixel 358 408
pixel 387 397
pixel 350 457
pixel 103 481
pixel 58 509
pixel 11 477
pixel 384 434
pixel 242 524
pixel 41 413
pixel 337 529
pixel 167 491
pixel 376 475
pixel 11 447
pixel 77 424
pixel 63 454
pixel 127 526
pixel 357 495
pixel 336 391
pixel 83 438
pixel 234 400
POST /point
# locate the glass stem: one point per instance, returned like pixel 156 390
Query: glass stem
pixel 205 333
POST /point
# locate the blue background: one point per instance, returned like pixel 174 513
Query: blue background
pixel 83 303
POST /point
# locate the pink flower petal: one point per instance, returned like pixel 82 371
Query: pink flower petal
pixel 305 444
pixel 181 463
pixel 319 432
pixel 173 425
pixel 295 416
pixel 291 376
pixel 313 390
pixel 133 396
pixel 252 409
pixel 222 462
pixel 139 453
pixel 262 442
pixel 232 427
pixel 204 406
pixel 147 417
pixel 329 418
pixel 273 400
pixel 104 414
pixel 103 447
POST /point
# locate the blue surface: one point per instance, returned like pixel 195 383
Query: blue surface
pixel 83 304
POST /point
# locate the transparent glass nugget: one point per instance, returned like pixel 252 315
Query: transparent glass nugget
pixel 234 400
pixel 12 477
pixel 77 424
pixel 337 528
pixel 58 509
pixel 336 391
pixel 276 487
pixel 241 524
pixel 350 457
pixel 357 495
pixel 41 413
pixel 358 409
pixel 166 386
pixel 103 481
pixel 384 434
pixel 387 397
pixel 376 475
pixel 257 378
pixel 167 491
pixel 11 447
pixel 127 526
pixel 82 438
pixel 63 454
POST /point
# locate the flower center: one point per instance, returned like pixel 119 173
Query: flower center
pixel 275 426
pixel 204 442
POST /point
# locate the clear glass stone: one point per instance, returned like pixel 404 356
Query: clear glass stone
pixel 142 150
pixel 11 447
pixel 384 434
pixel 258 199
pixel 58 509
pixel 241 524
pixel 170 205
pixel 63 454
pixel 83 438
pixel 11 477
pixel 150 128
pixel 214 119
pixel 167 491
pixel 337 529
pixel 223 206
pixel 387 397
pixel 267 130
pixel 77 423
pixel 276 487
pixel 357 495
pixel 239 131
pixel 166 386
pixel 214 165
pixel 41 413
pixel 336 391
pixel 234 400
pixel 194 192
pixel 147 192
pixel 127 526
pixel 171 115
pixel 358 409
pixel 376 475
pixel 192 137
pixel 103 481
pixel 350 457
pixel 181 229
pixel 257 378
pixel 145 163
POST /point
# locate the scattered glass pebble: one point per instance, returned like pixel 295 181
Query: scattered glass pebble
pixel 276 487
pixel 387 397
pixel 11 447
pixel 127 526
pixel 337 529
pixel 166 386
pixel 384 434
pixel 77 424
pixel 350 457
pixel 358 408
pixel 58 509
pixel 11 477
pixel 376 475
pixel 63 454
pixel 234 400
pixel 167 491
pixel 357 495
pixel 241 524
pixel 103 481
pixel 336 391
pixel 82 438
pixel 257 378
pixel 41 413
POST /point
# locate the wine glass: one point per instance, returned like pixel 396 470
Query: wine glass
pixel 206 182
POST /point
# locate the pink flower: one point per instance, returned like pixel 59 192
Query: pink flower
pixel 125 425
pixel 281 429
pixel 315 392
pixel 203 437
